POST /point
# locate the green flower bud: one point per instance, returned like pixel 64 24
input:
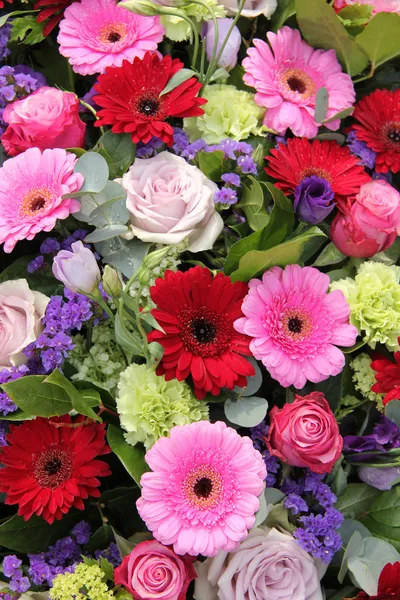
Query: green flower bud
pixel 112 283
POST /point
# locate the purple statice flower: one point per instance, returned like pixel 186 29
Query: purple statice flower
pixel 360 149
pixel 272 464
pixel 3 433
pixel 36 264
pixel 50 246
pixel 191 150
pixel 5 31
pixel 225 195
pixel 231 179
pixel 16 83
pixel 19 584
pixel 247 165
pixel 388 177
pixel 385 436
pixel 313 199
pixel 280 140
pixel 310 503
pixel 181 141
pixel 6 375
pixel 11 565
pixel 81 532
pixel 88 99
pixel 150 149
pixel 112 554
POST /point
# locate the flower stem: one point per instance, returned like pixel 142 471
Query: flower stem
pixel 216 33
pixel 193 31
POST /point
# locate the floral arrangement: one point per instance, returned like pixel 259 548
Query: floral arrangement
pixel 200 300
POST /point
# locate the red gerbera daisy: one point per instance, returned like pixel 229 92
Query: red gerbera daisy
pixel 197 312
pixel 387 377
pixel 290 164
pixel 2 3
pixel 132 102
pixel 50 466
pixel 388 585
pixel 53 12
pixel 378 117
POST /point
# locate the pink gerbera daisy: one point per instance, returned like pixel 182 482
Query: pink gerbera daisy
pixel 32 186
pixel 295 325
pixel 203 492
pixel 96 34
pixel 287 79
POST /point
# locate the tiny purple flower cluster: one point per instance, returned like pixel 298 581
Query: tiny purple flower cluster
pixel 53 345
pixel 12 570
pixel 51 246
pixel 311 502
pixel 258 434
pixel 360 149
pixel 5 31
pixel 6 375
pixel 65 555
pixel 16 83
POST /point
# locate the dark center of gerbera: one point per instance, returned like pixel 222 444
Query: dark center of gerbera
pixel 203 487
pixel 37 203
pixel 34 201
pixel 53 466
pixel 394 135
pixel 148 106
pixel 203 331
pixel 114 37
pixel 295 325
pixel 296 84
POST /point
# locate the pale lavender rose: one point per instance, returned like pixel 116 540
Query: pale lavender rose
pixel 77 270
pixel 252 8
pixel 268 564
pixel 169 201
pixel 21 311
pixel 228 58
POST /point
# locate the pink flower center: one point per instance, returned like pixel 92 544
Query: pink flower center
pixel 205 332
pixel 53 466
pixel 390 134
pixel 35 202
pixel 112 33
pixel 296 323
pixel 203 487
pixel 296 83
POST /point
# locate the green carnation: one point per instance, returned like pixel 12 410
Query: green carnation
pixel 374 300
pixel 178 30
pixel 87 582
pixel 229 113
pixel 149 406
pixel 364 379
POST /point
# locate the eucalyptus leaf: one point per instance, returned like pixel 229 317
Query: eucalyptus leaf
pixel 366 567
pixel 179 77
pixel 246 412
pixel 262 512
pixel 392 411
pixel 127 256
pixel 105 208
pixel 95 171
pixel 332 136
pixel 341 115
pixel 105 233
pixel 253 383
pixel 321 105
pixel 352 549
pixel 131 457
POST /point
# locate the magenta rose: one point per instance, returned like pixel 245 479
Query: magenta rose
pixel 152 570
pixel 305 434
pixel 48 118
pixel 371 223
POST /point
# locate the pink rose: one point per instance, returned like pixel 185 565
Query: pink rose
pixel 21 311
pixel 371 223
pixel 305 434
pixel 152 570
pixel 48 118
pixel 268 565
pixel 169 201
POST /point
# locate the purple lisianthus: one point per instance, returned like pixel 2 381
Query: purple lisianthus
pixel 313 199
pixel 385 436
pixel 379 478
pixel 228 58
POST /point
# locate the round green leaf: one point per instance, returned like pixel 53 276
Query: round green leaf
pixel 246 412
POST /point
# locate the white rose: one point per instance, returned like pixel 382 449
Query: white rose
pixel 170 200
pixel 268 565
pixel 252 8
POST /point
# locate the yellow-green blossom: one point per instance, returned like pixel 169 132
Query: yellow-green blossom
pixel 149 406
pixel 103 363
pixel 229 113
pixel 178 30
pixel 374 300
pixel 364 379
pixel 87 582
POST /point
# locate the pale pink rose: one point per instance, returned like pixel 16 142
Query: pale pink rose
pixel 268 565
pixel 371 223
pixel 169 201
pixel 305 434
pixel 48 118
pixel 152 570
pixel 252 8
pixel 389 6
pixel 21 311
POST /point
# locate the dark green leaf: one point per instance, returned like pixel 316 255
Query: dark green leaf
pixel 284 10
pixel 211 164
pixel 330 255
pixel 14 13
pixel 27 30
pixel 356 500
pixel 380 40
pixel 118 150
pixel 100 539
pixel 43 281
pixel 32 395
pixel 77 399
pixel 35 535
pixel 124 546
pixel 252 204
pixel 386 508
pixel 321 28
pixel 389 534
pixel 131 457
